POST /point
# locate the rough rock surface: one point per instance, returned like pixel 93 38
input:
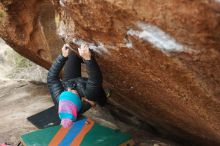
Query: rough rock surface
pixel 160 58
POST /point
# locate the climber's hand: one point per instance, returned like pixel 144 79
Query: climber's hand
pixel 65 50
pixel 84 52
pixel 92 103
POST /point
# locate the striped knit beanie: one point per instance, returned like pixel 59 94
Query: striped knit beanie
pixel 69 105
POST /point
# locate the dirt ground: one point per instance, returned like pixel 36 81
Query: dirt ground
pixel 21 99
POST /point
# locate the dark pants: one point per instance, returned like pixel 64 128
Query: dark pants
pixel 72 67
pixel 93 87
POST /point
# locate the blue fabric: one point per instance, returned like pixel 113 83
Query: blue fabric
pixel 72 133
pixel 67 95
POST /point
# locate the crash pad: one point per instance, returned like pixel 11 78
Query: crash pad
pixel 46 118
pixel 84 132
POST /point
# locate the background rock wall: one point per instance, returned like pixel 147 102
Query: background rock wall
pixel 160 58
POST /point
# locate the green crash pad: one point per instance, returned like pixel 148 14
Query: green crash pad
pixel 97 135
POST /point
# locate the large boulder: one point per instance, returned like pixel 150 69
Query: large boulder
pixel 160 58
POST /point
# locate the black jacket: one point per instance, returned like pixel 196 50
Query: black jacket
pixel 89 87
pixel 53 80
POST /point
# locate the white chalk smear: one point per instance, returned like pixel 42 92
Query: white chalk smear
pixel 158 38
pixel 128 43
pixel 62 3
pixel 99 47
pixel 217 1
pixel 61 30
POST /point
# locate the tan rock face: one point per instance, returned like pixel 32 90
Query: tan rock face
pixel 30 29
pixel 160 58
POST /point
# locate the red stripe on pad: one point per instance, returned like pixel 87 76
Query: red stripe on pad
pixel 59 136
pixel 86 128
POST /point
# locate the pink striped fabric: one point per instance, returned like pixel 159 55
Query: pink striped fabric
pixel 66 106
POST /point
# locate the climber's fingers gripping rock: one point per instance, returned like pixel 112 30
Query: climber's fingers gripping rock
pixel 84 52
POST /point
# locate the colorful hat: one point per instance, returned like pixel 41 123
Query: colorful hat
pixel 69 105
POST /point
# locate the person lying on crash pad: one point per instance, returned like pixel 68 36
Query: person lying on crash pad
pixel 75 94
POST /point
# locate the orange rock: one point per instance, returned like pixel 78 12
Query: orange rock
pixel 166 71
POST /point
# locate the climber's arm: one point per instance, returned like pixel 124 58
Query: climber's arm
pixel 94 72
pixel 94 91
pixel 53 79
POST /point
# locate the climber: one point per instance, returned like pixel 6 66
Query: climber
pixel 75 94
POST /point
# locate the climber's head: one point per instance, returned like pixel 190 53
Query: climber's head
pixel 71 86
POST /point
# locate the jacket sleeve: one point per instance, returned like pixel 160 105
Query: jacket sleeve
pixel 94 90
pixel 94 73
pixel 53 80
